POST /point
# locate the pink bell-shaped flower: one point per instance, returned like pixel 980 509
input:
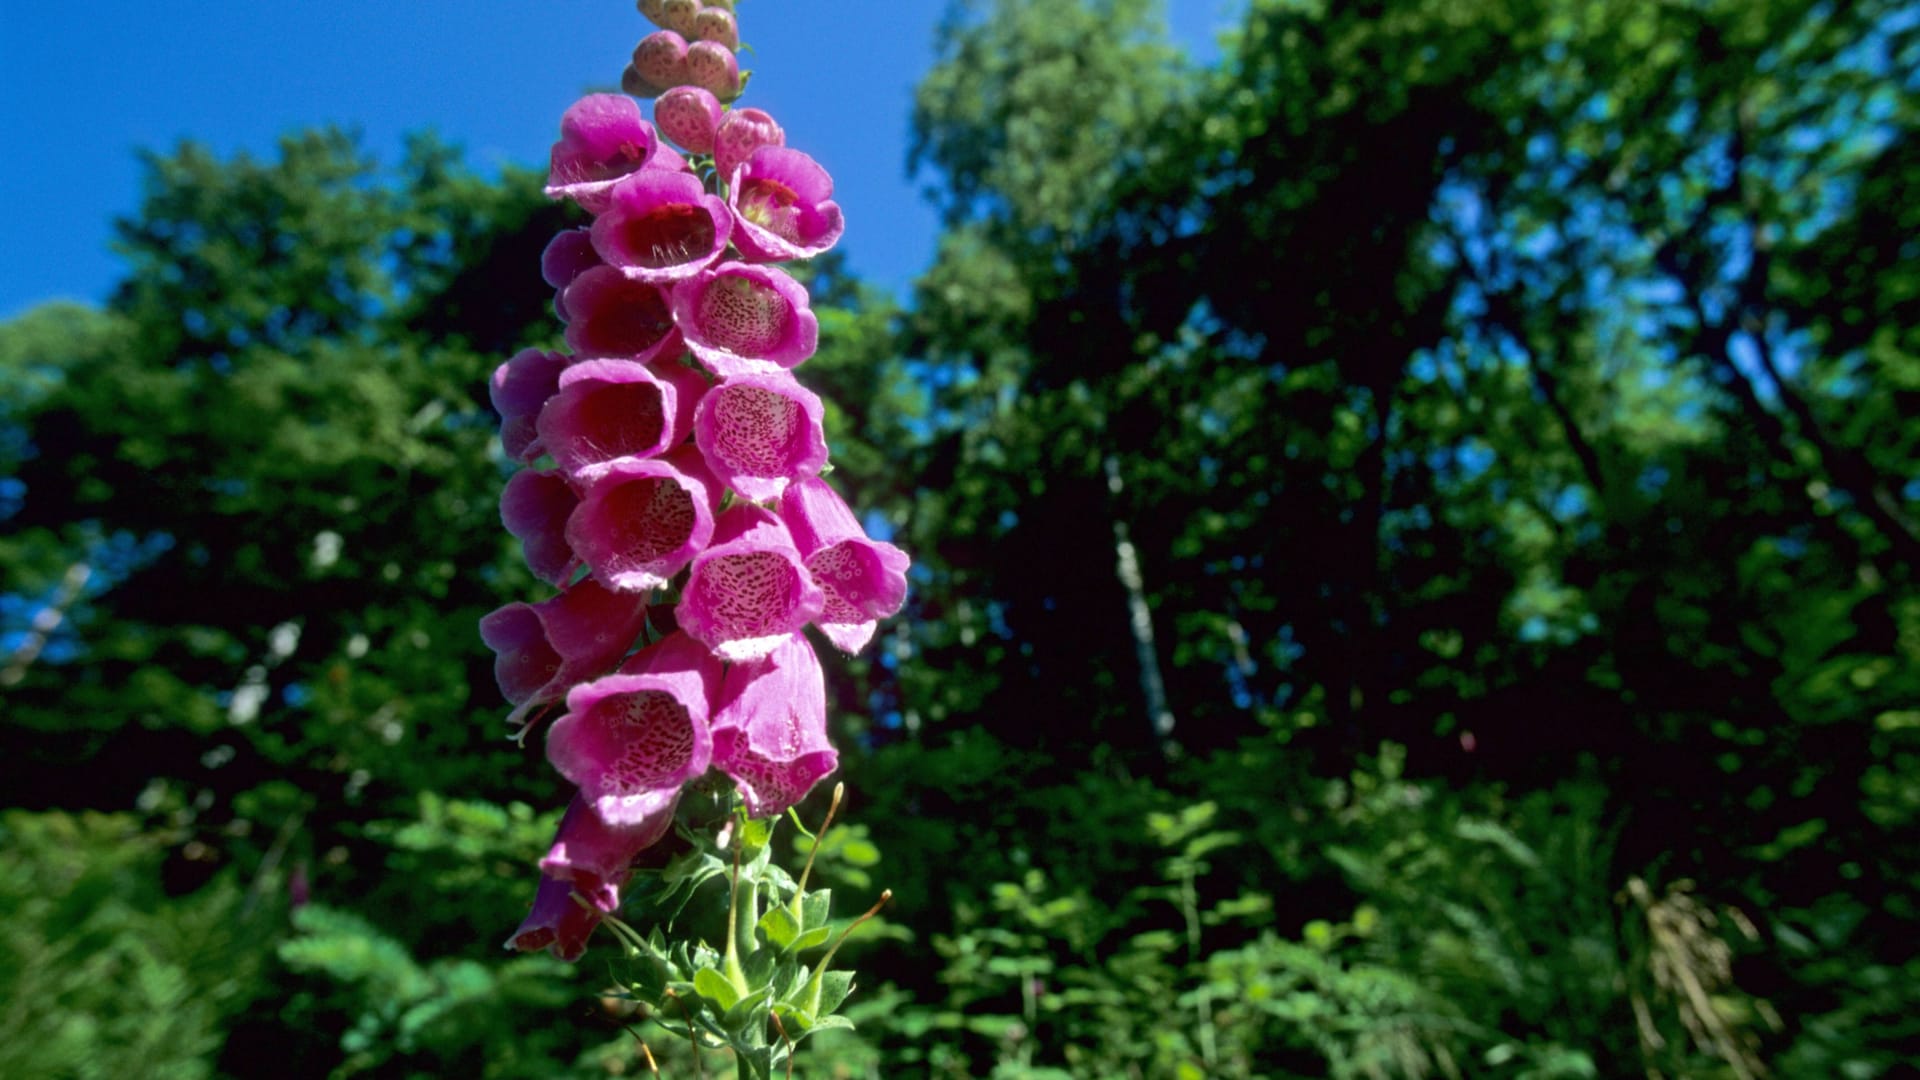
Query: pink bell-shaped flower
pixel 642 521
pixel 602 138
pixel 864 580
pixel 632 740
pixel 611 314
pixel 519 388
pixel 741 132
pixel 595 857
pixel 558 923
pixel 688 115
pixel 534 506
pixel 568 255
pixel 759 432
pixel 742 319
pixel 783 207
pixel 749 591
pixel 662 227
pixel 770 727
pixel 542 649
pixel 610 409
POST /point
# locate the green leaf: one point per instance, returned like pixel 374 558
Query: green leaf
pixel 779 926
pixel 817 908
pixel 834 988
pixel 757 832
pixel 745 1011
pixel 715 987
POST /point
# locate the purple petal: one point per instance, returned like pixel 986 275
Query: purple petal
pixel 596 857
pixel 534 507
pixel 749 591
pixel 642 521
pixel 770 727
pixel 783 206
pixel 741 319
pixel 632 740
pixel 519 388
pixel 864 580
pixel 602 138
pixel 606 410
pixel 568 255
pixel 611 314
pixel 557 922
pixel 662 227
pixel 542 649
pixel 759 432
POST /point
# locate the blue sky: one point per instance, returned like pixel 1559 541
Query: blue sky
pixel 84 84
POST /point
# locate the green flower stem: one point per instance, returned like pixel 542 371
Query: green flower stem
pixel 740 930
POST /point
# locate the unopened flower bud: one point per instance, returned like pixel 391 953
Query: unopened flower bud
pixel 717 24
pixel 742 132
pixel 661 59
pixel 689 115
pixel 712 65
pixel 679 15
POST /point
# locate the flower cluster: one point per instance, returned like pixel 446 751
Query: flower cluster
pixel 671 489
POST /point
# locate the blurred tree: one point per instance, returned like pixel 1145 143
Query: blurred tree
pixel 1518 381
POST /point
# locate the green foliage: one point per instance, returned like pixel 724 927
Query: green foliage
pixel 443 1011
pixel 757 984
pixel 104 974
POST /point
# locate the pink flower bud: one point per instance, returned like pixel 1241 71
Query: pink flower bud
pixel 713 66
pixel 661 59
pixel 679 16
pixel 716 24
pixel 742 132
pixel 689 115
